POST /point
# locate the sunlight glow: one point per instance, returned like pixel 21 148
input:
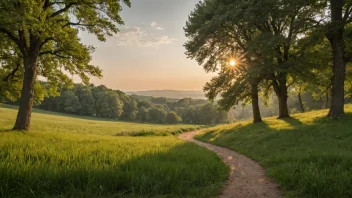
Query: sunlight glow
pixel 232 62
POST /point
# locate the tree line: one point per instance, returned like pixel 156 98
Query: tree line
pixel 102 102
pixel 269 47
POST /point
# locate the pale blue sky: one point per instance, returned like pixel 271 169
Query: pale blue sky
pixel 148 53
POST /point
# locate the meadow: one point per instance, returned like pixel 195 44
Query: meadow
pixel 46 121
pixel 308 155
pixel 81 157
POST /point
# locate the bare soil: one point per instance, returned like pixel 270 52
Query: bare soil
pixel 247 178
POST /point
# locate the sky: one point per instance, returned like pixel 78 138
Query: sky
pixel 148 52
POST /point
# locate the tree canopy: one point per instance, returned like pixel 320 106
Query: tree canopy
pixel 41 39
pixel 263 47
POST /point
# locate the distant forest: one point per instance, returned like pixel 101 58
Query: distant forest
pixel 100 101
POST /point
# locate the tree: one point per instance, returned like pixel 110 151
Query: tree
pixel 157 115
pixel 173 118
pixel 217 34
pixel 145 104
pixel 45 33
pixel 130 108
pixel 264 34
pixel 206 114
pixel 86 99
pixel 340 18
pixel 283 25
pixel 143 114
pixel 108 105
pixel 189 115
pixel 72 104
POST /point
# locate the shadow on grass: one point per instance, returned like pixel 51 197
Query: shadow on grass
pixel 185 170
pixel 325 119
pixel 292 121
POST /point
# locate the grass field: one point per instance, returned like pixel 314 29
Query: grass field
pixel 309 155
pixel 73 157
pixel 89 125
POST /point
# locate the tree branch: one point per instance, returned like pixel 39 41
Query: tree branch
pixel 12 74
pixel 348 12
pixel 55 53
pixel 63 9
pixel 46 41
pixel 11 36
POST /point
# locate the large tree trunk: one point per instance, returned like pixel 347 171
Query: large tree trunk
pixel 255 104
pixel 280 89
pixel 24 113
pixel 300 102
pixel 283 107
pixel 335 36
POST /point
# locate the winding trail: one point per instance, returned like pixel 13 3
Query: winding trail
pixel 247 178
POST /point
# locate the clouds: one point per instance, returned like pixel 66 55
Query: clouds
pixel 156 26
pixel 137 37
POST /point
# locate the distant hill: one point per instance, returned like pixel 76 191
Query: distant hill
pixel 171 94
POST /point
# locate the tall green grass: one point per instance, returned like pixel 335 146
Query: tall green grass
pixel 46 121
pixel 309 155
pixel 66 162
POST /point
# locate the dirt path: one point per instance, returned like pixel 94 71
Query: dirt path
pixel 247 178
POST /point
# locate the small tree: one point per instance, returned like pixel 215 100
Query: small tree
pixel 157 115
pixel 173 118
pixel 108 105
pixel 143 114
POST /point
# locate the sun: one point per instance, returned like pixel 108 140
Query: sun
pixel 232 62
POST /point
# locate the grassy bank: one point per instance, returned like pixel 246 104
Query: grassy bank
pixel 72 157
pixel 309 155
pixel 89 125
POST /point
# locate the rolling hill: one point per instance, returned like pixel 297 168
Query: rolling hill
pixel 170 94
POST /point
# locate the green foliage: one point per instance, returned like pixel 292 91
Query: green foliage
pixel 143 114
pixel 145 104
pixel 308 155
pixel 173 118
pixel 77 157
pixel 267 39
pixel 108 105
pixel 130 108
pixel 99 101
pixel 85 98
pixel 41 38
pixel 157 115
pixel 51 28
pixel 71 104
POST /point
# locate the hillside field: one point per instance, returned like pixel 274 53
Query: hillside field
pixel 89 125
pixel 82 157
pixel 309 155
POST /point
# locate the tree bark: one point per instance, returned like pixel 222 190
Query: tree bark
pixel 283 107
pixel 255 104
pixel 25 110
pixel 300 102
pixel 280 89
pixel 335 36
